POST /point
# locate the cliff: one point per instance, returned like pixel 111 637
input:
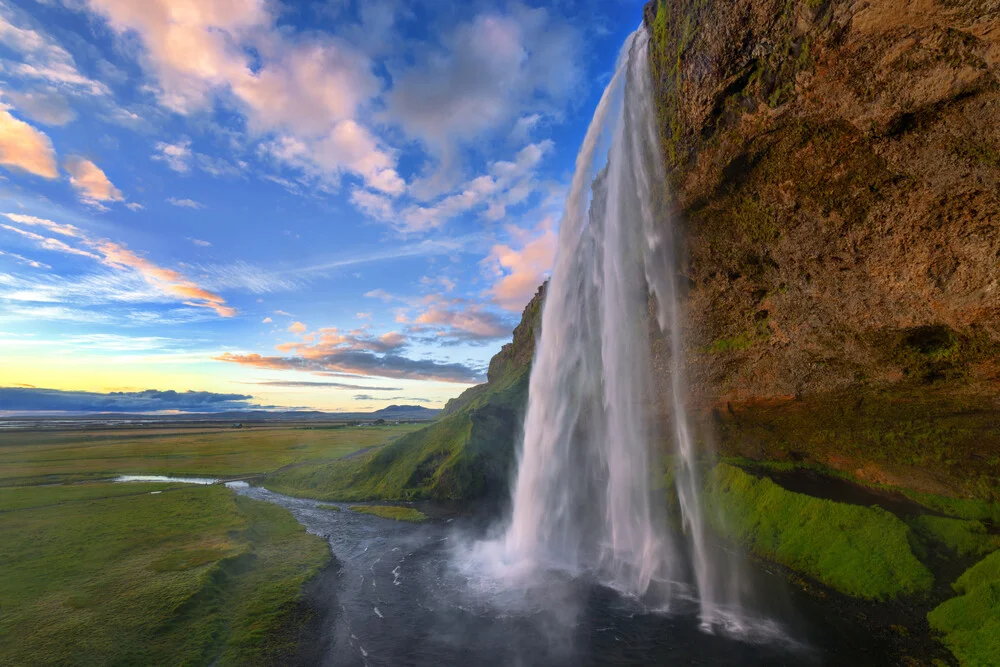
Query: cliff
pixel 835 168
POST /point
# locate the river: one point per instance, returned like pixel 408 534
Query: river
pixel 400 594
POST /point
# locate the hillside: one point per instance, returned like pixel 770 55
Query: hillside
pixel 466 454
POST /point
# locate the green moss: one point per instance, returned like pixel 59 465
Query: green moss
pixel 740 342
pixel 971 622
pixel 964 537
pixel 332 508
pixel 859 551
pixel 392 512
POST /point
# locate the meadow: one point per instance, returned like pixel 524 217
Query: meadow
pixel 45 457
pixel 94 572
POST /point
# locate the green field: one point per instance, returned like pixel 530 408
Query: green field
pixel 186 576
pixel 57 456
pixel 156 573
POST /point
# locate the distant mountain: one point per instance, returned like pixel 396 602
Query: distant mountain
pixel 404 412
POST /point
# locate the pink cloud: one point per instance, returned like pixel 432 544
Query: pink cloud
pixel 297 328
pixel 25 147
pixel 92 184
pixel 521 270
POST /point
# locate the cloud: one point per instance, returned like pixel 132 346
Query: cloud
pixel 43 59
pixel 364 363
pixel 177 156
pixel 369 397
pixel 460 320
pixel 356 353
pixel 508 183
pixel 163 281
pixel 297 328
pixel 48 107
pixel 24 147
pixel 245 276
pixel 363 316
pixel 52 244
pixel 523 128
pixel 519 271
pixel 442 283
pixel 314 383
pixel 90 182
pixel 267 320
pixel 25 260
pixel 185 203
pixel 484 73
pixel 199 242
pixel 134 206
pixel 305 91
pixel 34 221
pixel 281 312
pixel 166 280
pixel 21 399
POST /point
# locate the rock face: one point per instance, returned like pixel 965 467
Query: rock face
pixel 835 168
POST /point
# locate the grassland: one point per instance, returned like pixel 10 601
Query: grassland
pixel 860 551
pixel 51 457
pixel 392 512
pixel 114 575
pixel 156 573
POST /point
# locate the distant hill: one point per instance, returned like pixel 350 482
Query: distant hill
pixel 390 413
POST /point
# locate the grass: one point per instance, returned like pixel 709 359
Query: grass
pixel 392 512
pixel 971 622
pixel 332 508
pixel 26 497
pixel 964 537
pixel 45 457
pixel 860 551
pixel 192 575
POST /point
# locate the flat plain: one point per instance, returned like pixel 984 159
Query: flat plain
pixel 95 572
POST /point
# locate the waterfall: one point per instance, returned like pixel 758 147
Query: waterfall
pixel 589 491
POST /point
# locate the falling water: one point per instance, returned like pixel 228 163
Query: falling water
pixel 587 495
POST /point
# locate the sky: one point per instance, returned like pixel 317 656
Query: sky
pixel 329 204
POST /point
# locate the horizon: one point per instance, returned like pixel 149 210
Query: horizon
pixel 275 208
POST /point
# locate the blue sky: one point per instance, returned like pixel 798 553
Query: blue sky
pixel 328 204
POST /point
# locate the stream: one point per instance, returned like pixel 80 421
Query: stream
pixel 400 594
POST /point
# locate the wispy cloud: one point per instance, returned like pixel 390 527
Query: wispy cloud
pixel 21 259
pixel 167 282
pixel 369 397
pixel 319 383
pixel 184 203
